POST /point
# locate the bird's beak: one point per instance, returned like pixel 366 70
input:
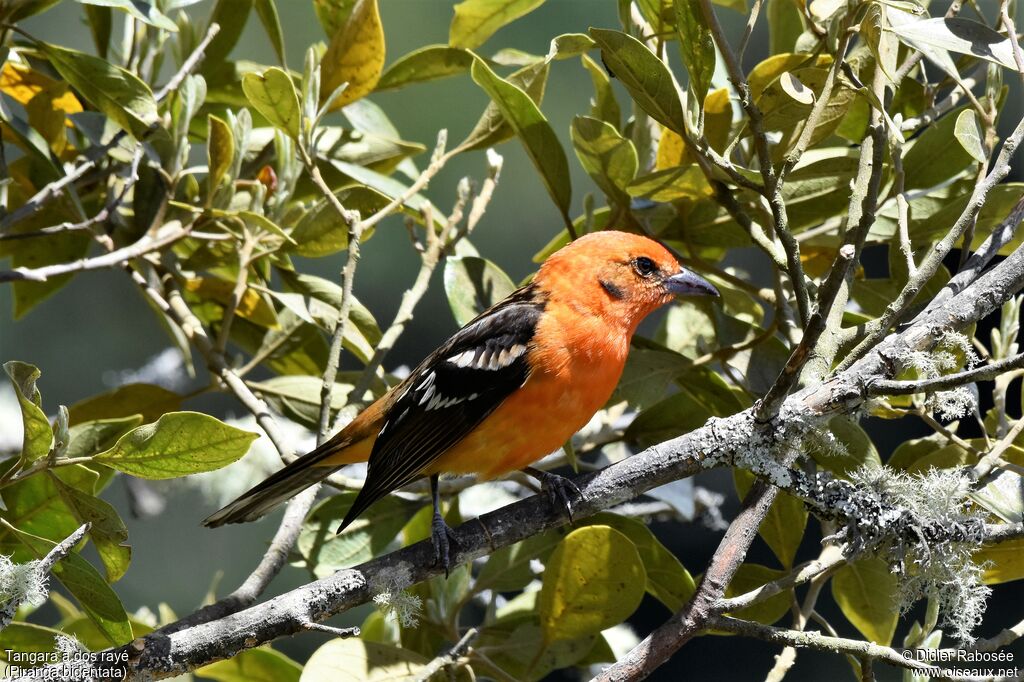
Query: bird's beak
pixel 685 283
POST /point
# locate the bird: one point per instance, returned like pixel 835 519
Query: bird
pixel 511 386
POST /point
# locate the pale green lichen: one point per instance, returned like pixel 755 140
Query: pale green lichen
pixel 392 599
pixel 22 583
pixel 928 566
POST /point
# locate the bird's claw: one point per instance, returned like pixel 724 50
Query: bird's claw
pixel 442 537
pixel 560 490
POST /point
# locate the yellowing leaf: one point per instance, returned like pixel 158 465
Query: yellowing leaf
pixel 866 593
pixel 355 55
pixel 118 93
pixel 220 150
pixel 593 580
pixel 476 20
pixel 1002 562
pixel 717 124
pixel 252 306
pixel 22 84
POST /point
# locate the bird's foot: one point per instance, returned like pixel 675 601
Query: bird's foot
pixel 559 489
pixel 442 537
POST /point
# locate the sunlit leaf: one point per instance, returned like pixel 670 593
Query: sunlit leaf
pixel 645 76
pixel 866 591
pixel 118 93
pixel 593 580
pixel 37 436
pixel 425 64
pixel 253 665
pixel 273 94
pixel 141 10
pixel 472 285
pixel 477 20
pixel 177 444
pixel 355 55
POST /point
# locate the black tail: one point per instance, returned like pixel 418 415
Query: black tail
pixel 281 486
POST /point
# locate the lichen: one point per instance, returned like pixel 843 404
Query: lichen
pixel 391 598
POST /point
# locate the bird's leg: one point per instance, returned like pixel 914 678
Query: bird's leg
pixel 441 536
pixel 559 489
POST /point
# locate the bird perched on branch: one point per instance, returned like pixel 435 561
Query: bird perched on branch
pixel 511 386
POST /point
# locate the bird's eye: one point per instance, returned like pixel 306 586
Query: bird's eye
pixel 645 266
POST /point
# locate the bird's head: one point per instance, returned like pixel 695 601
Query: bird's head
pixel 619 275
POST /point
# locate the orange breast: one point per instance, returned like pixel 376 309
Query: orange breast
pixel 576 366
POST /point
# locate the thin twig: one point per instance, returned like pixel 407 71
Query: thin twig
pixel 947 381
pixel 146 244
pixel 449 659
pixel 816 640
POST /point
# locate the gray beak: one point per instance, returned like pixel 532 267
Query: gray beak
pixel 685 283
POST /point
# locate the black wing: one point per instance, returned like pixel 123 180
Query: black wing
pixel 450 393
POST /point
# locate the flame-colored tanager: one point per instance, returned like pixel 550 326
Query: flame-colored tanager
pixel 511 386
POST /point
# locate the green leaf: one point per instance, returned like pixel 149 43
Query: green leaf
pixel 26 638
pixel 425 64
pixel 38 436
pixel 783 527
pixel 969 135
pixel 231 16
pixel 508 569
pixel 220 150
pixel 956 34
pixel 877 34
pixel 936 155
pixel 298 397
pixel 353 660
pixel 609 158
pixel 143 11
pixel 533 130
pixel 854 452
pixel 177 444
pixel 594 579
pixel 253 665
pixel 672 184
pixel 98 435
pixel 87 586
pixel 118 93
pixel 149 400
pixel 355 55
pixel 646 77
pixel 696 46
pixel 273 94
pixel 473 285
pixel 605 106
pixel 324 552
pixel 750 577
pixel 107 532
pixel 319 232
pixel 477 20
pixel 33 253
pixel 668 581
pixel 866 592
pixel 266 10
pixel 784 25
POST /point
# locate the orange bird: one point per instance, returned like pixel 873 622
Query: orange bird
pixel 511 386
